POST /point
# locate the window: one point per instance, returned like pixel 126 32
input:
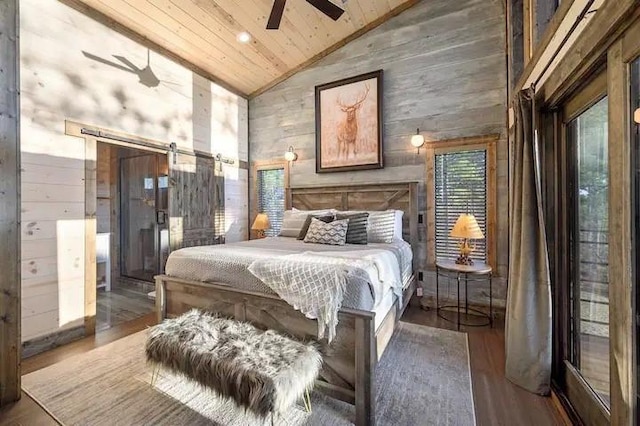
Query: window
pixel 461 179
pixel 271 197
pixel 460 187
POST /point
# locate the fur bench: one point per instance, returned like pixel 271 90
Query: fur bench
pixel 261 371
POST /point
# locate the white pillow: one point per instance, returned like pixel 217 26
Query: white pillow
pixel 397 232
pixel 293 221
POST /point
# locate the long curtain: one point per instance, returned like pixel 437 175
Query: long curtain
pixel 528 318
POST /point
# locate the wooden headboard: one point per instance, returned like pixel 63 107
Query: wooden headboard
pixel 381 196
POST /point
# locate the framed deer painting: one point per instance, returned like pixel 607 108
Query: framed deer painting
pixel 349 124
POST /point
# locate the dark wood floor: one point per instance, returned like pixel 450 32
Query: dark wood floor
pixel 497 401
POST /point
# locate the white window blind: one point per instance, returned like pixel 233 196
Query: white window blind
pixel 460 187
pixel 271 198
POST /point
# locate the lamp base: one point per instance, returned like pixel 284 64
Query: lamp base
pixel 463 259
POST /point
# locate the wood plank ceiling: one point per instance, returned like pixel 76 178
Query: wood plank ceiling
pixel 205 33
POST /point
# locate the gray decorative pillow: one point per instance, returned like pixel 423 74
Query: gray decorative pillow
pixel 333 233
pixel 326 218
pixel 381 226
pixel 357 230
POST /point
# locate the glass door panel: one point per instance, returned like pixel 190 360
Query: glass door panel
pixel 139 235
pixel 587 136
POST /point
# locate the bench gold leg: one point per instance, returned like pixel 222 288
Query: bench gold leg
pixel 307 400
pixel 154 375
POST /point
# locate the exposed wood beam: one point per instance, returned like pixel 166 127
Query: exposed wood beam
pixel 10 349
pixel 139 38
pixel 394 12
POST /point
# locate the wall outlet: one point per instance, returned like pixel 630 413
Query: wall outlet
pixel 419 292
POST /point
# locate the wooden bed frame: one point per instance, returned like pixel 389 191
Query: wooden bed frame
pixel 349 362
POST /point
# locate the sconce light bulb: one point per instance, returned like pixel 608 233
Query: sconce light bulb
pixel 417 140
pixel 290 154
pixel 636 116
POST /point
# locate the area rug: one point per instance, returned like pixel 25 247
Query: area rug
pixel 423 378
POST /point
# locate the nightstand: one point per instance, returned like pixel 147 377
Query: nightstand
pixel 479 271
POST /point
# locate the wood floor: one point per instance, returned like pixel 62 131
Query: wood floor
pixel 497 402
pixel 120 306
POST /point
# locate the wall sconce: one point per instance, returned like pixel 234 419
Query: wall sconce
pixel 290 154
pixel 417 140
pixel 636 116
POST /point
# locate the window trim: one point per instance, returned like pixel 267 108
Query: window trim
pixel 266 165
pixel 486 142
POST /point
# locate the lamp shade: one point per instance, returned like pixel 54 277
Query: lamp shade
pixel 261 223
pixel 466 227
pixel 636 116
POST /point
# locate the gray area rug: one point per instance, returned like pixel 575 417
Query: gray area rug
pixel 422 379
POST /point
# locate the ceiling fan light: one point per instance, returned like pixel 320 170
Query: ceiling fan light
pixel 243 37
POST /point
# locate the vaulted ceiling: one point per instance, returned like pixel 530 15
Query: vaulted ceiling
pixel 205 33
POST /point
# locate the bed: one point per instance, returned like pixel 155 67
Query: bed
pixel 366 321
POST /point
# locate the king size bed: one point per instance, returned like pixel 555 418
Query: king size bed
pixel 224 279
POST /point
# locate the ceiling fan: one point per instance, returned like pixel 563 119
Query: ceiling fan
pixel 325 6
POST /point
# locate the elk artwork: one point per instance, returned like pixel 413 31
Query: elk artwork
pixel 348 129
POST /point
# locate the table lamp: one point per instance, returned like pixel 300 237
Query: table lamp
pixel 260 224
pixel 466 228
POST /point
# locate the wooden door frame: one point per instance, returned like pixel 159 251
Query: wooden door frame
pixel 73 128
pixel 617 50
pixel 10 284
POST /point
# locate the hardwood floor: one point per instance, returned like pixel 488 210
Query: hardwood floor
pixel 497 401
pixel 120 306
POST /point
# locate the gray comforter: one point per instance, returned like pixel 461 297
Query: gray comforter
pixel 228 264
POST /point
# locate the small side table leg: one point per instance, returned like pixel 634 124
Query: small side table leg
pixel 458 306
pixel 466 298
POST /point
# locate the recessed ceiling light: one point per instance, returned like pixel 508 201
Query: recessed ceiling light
pixel 244 37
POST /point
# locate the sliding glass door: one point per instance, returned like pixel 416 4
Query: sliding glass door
pixel 585 260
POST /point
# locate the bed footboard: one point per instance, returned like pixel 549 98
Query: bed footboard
pixel 348 362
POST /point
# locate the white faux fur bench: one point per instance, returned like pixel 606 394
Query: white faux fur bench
pixel 261 371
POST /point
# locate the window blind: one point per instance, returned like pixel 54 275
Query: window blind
pixel 460 187
pixel 271 198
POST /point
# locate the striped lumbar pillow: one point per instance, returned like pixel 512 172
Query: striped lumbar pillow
pixel 333 233
pixel 325 218
pixel 381 226
pixel 357 230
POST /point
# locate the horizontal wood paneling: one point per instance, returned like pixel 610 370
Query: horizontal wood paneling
pixel 184 108
pixel 444 72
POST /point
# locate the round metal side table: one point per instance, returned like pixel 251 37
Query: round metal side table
pixel 479 271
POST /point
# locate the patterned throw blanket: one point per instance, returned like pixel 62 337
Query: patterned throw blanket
pixel 314 283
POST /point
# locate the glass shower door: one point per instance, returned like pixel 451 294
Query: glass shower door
pixel 140 215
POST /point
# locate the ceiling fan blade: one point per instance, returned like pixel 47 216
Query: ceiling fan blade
pixel 325 6
pixel 276 15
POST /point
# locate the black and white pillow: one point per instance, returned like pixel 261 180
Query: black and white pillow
pixel 332 233
pixel 293 221
pixel 326 218
pixel 381 226
pixel 357 230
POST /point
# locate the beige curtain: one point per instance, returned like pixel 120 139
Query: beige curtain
pixel 528 317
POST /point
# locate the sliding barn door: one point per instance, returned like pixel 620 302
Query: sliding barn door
pixel 196 205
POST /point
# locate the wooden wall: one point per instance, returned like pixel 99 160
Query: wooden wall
pixel 9 204
pixel 65 75
pixel 444 71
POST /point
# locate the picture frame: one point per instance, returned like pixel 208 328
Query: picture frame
pixel 349 124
